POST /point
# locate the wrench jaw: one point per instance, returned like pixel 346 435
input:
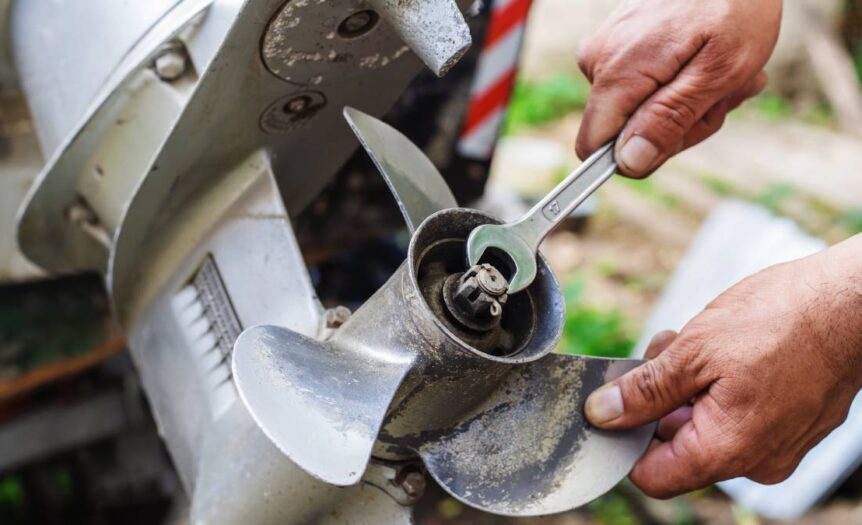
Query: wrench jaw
pixel 521 258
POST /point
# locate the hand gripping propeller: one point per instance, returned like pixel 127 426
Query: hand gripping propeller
pixel 496 418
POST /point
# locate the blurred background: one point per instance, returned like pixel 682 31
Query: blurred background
pixel 788 164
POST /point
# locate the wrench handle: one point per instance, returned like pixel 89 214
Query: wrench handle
pixel 566 197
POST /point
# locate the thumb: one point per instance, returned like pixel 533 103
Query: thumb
pixel 646 394
pixel 657 130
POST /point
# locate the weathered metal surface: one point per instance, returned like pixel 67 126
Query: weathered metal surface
pixel 188 163
pixel 110 131
pixel 393 361
pixel 400 378
pixel 328 53
pixel 65 53
pixel 322 404
pixel 323 54
pixel 528 450
pixel 247 480
pixel 414 181
pixel 434 29
pixel 326 400
pixel 240 227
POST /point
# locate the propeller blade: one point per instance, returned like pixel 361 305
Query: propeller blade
pixel 321 403
pixel 416 183
pixel 529 451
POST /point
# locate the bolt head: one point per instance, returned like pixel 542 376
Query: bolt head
pixel 414 484
pixel 491 280
pixel 298 105
pixel 171 65
pixel 335 317
pixel 358 24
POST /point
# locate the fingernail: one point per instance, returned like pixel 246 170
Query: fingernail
pixel 638 154
pixel 605 404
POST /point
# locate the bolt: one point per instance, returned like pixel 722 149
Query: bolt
pixel 358 24
pixel 298 105
pixel 171 64
pixel 414 484
pixel 335 317
pixel 491 280
pixel 481 290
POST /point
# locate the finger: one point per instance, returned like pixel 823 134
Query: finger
pixel 609 107
pixel 649 392
pixel 659 343
pixel 656 129
pixel 676 467
pixel 670 424
pixel 714 119
pixel 622 82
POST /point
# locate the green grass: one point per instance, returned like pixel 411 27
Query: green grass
pixel 775 196
pixel 537 103
pixel 852 221
pixel 593 331
pixel 719 186
pixel 613 509
pixel 774 107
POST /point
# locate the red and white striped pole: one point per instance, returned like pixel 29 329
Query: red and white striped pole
pixel 494 79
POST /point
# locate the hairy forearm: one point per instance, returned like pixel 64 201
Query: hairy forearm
pixel 840 310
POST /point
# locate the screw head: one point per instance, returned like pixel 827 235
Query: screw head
pixel 414 484
pixel 298 105
pixel 335 317
pixel 358 24
pixel 171 64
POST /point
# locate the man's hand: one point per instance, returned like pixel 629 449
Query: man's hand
pixel 752 383
pixel 665 73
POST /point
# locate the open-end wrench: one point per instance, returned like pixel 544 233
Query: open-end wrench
pixel 520 240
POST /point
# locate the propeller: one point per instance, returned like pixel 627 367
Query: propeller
pixel 495 416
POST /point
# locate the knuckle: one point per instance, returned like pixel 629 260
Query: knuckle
pixel 689 351
pixel 647 382
pixel 585 61
pixel 675 116
pixel 587 57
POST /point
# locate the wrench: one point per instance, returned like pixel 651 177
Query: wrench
pixel 520 240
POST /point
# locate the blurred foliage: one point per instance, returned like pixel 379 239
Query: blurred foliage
pixel 775 196
pixel 777 107
pixel 592 331
pixel 613 509
pixel 12 500
pixel 44 322
pixel 449 508
pixel 851 220
pixel 743 516
pixel 719 186
pixel 648 188
pixel 536 103
pixel 774 107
